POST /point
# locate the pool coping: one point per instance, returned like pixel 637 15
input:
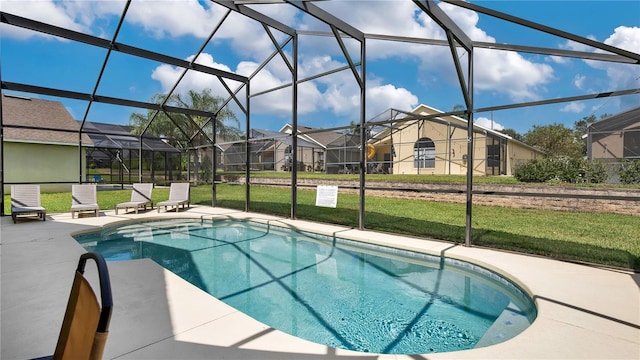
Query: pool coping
pixel 583 311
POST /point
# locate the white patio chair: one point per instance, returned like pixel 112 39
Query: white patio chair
pixel 84 199
pixel 140 198
pixel 25 201
pixel 178 196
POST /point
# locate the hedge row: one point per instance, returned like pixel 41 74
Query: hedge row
pixel 571 170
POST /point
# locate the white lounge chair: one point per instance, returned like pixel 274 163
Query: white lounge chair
pixel 140 198
pixel 25 200
pixel 178 196
pixel 84 199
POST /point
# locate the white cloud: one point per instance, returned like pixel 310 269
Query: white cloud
pixel 381 97
pixel 46 11
pixel 505 72
pixel 627 38
pixel 622 76
pixel 498 71
pixel 279 102
pixel 168 19
pixel 573 107
pixel 559 59
pixel 173 18
pixel 167 76
pixel 575 46
pixel 488 123
pixel 510 73
pixel 579 80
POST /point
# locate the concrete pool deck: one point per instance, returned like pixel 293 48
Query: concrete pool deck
pixel 583 312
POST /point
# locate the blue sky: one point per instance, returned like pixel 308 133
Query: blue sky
pixel 399 75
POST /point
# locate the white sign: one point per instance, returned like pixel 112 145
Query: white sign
pixel 327 196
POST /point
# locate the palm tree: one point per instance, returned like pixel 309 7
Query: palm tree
pixel 188 131
pixel 459 107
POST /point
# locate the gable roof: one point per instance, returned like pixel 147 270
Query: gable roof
pixel 619 121
pixel 314 135
pixel 408 119
pixel 32 120
pixel 282 137
pixel 428 110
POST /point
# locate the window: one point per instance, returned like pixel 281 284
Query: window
pixel 632 143
pixel 495 155
pixel 424 153
pixel 288 161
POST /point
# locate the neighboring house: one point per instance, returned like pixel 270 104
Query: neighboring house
pixel 318 150
pixel 414 145
pixel 272 150
pixel 410 145
pixel 314 150
pixel 116 149
pixel 616 137
pixel 41 144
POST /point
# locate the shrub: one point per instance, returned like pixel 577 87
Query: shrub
pixel 531 171
pixel 629 171
pixel 597 172
pixel 566 170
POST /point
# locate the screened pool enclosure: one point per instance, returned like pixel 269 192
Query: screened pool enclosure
pixel 204 120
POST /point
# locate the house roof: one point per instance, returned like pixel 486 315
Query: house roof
pixel 457 119
pixel 313 135
pixel 617 122
pixel 34 120
pixel 112 136
pixel 283 137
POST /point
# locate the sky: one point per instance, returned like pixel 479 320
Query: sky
pixel 399 75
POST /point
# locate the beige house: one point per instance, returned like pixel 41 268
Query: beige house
pixel 40 144
pixel 616 137
pixel 438 146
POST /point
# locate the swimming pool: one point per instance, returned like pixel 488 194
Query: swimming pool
pixel 333 291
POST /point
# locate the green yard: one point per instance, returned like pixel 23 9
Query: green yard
pixel 608 239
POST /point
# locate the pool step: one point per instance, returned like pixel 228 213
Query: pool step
pixel 509 324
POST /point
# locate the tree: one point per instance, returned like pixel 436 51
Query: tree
pixel 514 134
pixel 555 140
pixel 581 127
pixel 458 107
pixel 185 130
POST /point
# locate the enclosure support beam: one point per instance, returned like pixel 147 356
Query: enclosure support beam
pixel 363 133
pixel 80 156
pixel 214 163
pixel 1 153
pixel 294 131
pixel 562 34
pixel 106 44
pixel 247 171
pixel 140 160
pixel 470 156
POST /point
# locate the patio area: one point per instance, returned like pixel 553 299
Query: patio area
pixel 583 312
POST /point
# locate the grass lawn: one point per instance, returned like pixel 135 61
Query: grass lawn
pixel 608 239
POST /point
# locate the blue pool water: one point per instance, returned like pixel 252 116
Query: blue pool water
pixel 331 291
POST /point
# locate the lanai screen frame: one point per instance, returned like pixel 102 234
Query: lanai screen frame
pixel 455 39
